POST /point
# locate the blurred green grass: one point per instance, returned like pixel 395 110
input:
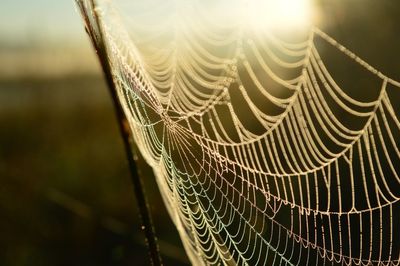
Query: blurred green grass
pixel 65 192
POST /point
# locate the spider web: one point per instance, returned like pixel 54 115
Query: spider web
pixel 261 155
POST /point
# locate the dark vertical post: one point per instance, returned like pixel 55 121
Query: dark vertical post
pixel 93 27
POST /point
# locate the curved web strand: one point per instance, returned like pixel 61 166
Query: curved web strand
pixel 261 154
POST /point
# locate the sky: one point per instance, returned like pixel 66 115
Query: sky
pixel 51 21
pixel 43 38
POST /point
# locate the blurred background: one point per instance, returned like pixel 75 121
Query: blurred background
pixel 65 191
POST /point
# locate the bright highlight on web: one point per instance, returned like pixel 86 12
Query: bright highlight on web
pixel 261 155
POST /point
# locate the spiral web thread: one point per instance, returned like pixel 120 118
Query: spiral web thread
pixel 261 157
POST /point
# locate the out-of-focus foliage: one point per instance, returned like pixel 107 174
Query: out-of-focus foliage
pixel 65 193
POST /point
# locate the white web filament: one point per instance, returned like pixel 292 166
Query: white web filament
pixel 261 155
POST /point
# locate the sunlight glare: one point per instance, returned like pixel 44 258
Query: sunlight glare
pixel 284 14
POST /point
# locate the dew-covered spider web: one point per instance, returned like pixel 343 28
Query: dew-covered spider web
pixel 262 154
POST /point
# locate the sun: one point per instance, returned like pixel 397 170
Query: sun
pixel 283 14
